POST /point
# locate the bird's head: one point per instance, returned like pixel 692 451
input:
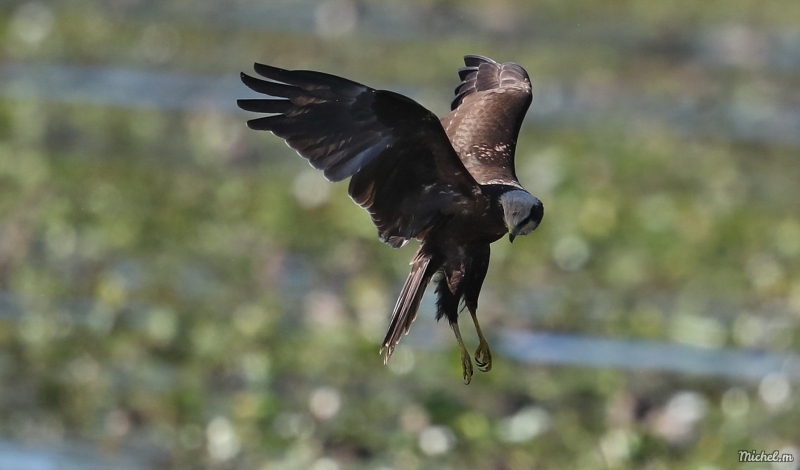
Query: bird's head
pixel 522 212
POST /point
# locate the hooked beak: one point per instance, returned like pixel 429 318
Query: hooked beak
pixel 512 234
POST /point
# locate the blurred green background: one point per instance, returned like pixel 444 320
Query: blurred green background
pixel 177 291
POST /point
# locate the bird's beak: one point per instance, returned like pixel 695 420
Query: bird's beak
pixel 512 234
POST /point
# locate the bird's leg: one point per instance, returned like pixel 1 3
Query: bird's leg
pixel 483 356
pixel 466 362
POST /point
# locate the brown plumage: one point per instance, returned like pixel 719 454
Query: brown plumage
pixel 450 184
pixel 487 113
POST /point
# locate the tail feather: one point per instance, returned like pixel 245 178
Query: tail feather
pixel 405 310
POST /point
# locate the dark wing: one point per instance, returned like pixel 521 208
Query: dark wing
pixel 404 170
pixel 487 113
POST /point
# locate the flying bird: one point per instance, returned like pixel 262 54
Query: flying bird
pixel 449 183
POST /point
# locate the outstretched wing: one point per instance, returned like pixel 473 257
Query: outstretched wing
pixel 487 113
pixel 404 170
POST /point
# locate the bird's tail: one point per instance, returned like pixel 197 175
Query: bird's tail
pixel 405 310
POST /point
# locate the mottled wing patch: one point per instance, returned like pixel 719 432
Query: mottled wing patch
pixel 490 103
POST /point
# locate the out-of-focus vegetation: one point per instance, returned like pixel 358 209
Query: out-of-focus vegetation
pixel 177 289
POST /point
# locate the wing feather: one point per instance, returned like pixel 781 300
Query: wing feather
pixel 487 112
pixel 403 169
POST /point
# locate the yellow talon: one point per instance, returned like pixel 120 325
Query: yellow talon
pixel 466 362
pixel 483 356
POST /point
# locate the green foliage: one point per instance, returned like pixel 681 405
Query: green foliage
pixel 174 283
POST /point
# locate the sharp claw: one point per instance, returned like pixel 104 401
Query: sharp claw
pixel 466 366
pixel 466 362
pixel 483 358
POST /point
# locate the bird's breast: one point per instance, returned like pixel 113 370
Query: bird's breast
pixel 479 222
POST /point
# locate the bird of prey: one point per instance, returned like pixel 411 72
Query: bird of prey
pixel 448 183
